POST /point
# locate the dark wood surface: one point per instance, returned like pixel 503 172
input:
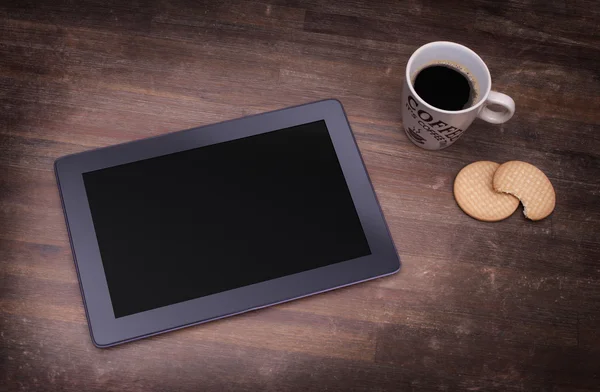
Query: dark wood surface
pixel 513 305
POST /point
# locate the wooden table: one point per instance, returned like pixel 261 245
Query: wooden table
pixel 505 306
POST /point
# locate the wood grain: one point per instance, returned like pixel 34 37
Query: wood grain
pixel 513 305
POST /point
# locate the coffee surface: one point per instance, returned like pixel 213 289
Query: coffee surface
pixel 444 87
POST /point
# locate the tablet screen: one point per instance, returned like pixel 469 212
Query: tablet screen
pixel 210 219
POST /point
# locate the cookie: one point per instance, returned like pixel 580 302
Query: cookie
pixel 475 195
pixel 529 184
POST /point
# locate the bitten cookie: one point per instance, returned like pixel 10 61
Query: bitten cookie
pixel 474 193
pixel 529 184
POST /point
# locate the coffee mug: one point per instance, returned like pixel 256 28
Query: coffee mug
pixel 435 128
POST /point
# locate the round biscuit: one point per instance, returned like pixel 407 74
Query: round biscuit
pixel 529 184
pixel 475 195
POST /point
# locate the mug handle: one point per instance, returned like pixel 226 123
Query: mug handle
pixel 496 98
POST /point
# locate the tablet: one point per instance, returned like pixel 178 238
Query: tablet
pixel 210 222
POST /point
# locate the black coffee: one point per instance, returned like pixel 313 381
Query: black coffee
pixel 444 87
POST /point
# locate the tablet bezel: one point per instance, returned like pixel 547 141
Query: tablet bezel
pixel 106 330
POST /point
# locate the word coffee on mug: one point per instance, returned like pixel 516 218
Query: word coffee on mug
pixel 447 85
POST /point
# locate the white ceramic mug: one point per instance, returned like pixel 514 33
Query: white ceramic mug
pixel 432 128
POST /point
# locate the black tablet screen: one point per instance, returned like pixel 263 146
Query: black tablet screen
pixel 210 219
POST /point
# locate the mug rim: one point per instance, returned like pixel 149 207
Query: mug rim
pixel 430 107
